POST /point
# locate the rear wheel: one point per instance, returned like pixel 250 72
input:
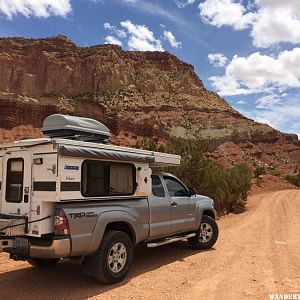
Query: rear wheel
pixel 207 234
pixel 113 257
pixel 43 263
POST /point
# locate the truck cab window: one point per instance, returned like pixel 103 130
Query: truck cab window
pixel 175 188
pixel 14 179
pixel 157 188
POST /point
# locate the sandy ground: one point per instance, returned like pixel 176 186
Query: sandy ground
pixel 258 253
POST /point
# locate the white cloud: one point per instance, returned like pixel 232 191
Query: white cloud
pixel 267 101
pixel 184 3
pixel 169 36
pixel 217 59
pixel 271 21
pixel 259 73
pixel 283 116
pixel 112 40
pixel 140 38
pixel 225 13
pixel 276 23
pixel 120 33
pixel 35 8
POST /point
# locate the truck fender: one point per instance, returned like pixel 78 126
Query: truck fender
pixel 108 217
pixel 201 207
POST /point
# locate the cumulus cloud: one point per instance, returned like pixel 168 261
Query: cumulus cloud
pixel 184 3
pixel 259 73
pixel 169 36
pixel 217 59
pixel 140 38
pixel 225 13
pixel 113 40
pixel 119 32
pixel 270 21
pixel 35 8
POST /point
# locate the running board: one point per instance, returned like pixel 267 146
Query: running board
pixel 170 240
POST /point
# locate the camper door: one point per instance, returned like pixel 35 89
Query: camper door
pixel 16 185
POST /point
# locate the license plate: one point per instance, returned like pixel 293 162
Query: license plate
pixel 20 243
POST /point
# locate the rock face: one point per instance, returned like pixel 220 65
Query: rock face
pixel 151 94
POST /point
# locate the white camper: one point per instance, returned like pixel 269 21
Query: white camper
pixel 36 174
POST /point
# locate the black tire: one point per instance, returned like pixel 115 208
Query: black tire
pixel 207 234
pixel 43 263
pixel 113 243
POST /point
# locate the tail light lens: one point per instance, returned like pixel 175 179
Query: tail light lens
pixel 61 224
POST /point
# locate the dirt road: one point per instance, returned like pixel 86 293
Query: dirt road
pixel 258 253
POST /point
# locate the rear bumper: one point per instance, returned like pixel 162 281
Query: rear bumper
pixel 55 248
pixel 59 248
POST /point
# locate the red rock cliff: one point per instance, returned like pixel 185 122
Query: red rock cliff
pixel 135 94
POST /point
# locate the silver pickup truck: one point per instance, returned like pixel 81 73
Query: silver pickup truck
pixel 67 198
pixel 173 212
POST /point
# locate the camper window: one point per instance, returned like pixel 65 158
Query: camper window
pixel 107 179
pixel 14 180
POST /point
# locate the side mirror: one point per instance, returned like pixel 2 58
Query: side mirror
pixel 192 191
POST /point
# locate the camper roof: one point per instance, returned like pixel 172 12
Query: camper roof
pixel 68 147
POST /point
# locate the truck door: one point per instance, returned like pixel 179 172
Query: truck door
pixel 160 210
pixel 183 207
pixel 16 185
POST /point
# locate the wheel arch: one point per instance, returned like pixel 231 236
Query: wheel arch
pixel 209 213
pixel 124 227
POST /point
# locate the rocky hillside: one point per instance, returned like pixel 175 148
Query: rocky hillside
pixel 151 94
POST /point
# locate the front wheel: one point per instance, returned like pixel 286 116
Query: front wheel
pixel 113 257
pixel 207 234
pixel 43 263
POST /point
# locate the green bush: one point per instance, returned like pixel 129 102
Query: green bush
pixel 294 179
pixel 259 171
pixel 228 187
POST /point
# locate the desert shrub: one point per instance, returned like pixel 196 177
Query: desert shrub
pixel 259 171
pixel 146 143
pixel 294 179
pixel 228 187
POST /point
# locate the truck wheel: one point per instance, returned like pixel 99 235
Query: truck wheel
pixel 43 263
pixel 113 257
pixel 207 234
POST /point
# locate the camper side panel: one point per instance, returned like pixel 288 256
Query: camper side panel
pixel 74 178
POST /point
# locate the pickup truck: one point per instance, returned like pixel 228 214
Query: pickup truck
pixel 70 198
pixel 101 234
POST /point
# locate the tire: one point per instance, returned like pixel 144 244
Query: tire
pixel 207 234
pixel 43 263
pixel 113 257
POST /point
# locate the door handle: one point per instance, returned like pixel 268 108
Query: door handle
pixel 174 204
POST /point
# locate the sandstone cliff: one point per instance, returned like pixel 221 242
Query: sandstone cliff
pixel 151 94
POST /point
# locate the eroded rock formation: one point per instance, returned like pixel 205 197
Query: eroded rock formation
pixel 151 94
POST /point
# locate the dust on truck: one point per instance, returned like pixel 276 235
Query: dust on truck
pixel 71 194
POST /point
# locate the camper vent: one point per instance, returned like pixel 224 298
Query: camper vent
pixel 75 128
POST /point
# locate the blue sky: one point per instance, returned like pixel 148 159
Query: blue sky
pixel 247 51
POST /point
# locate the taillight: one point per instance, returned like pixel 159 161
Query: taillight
pixel 61 225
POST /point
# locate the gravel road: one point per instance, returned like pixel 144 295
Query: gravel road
pixel 258 253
